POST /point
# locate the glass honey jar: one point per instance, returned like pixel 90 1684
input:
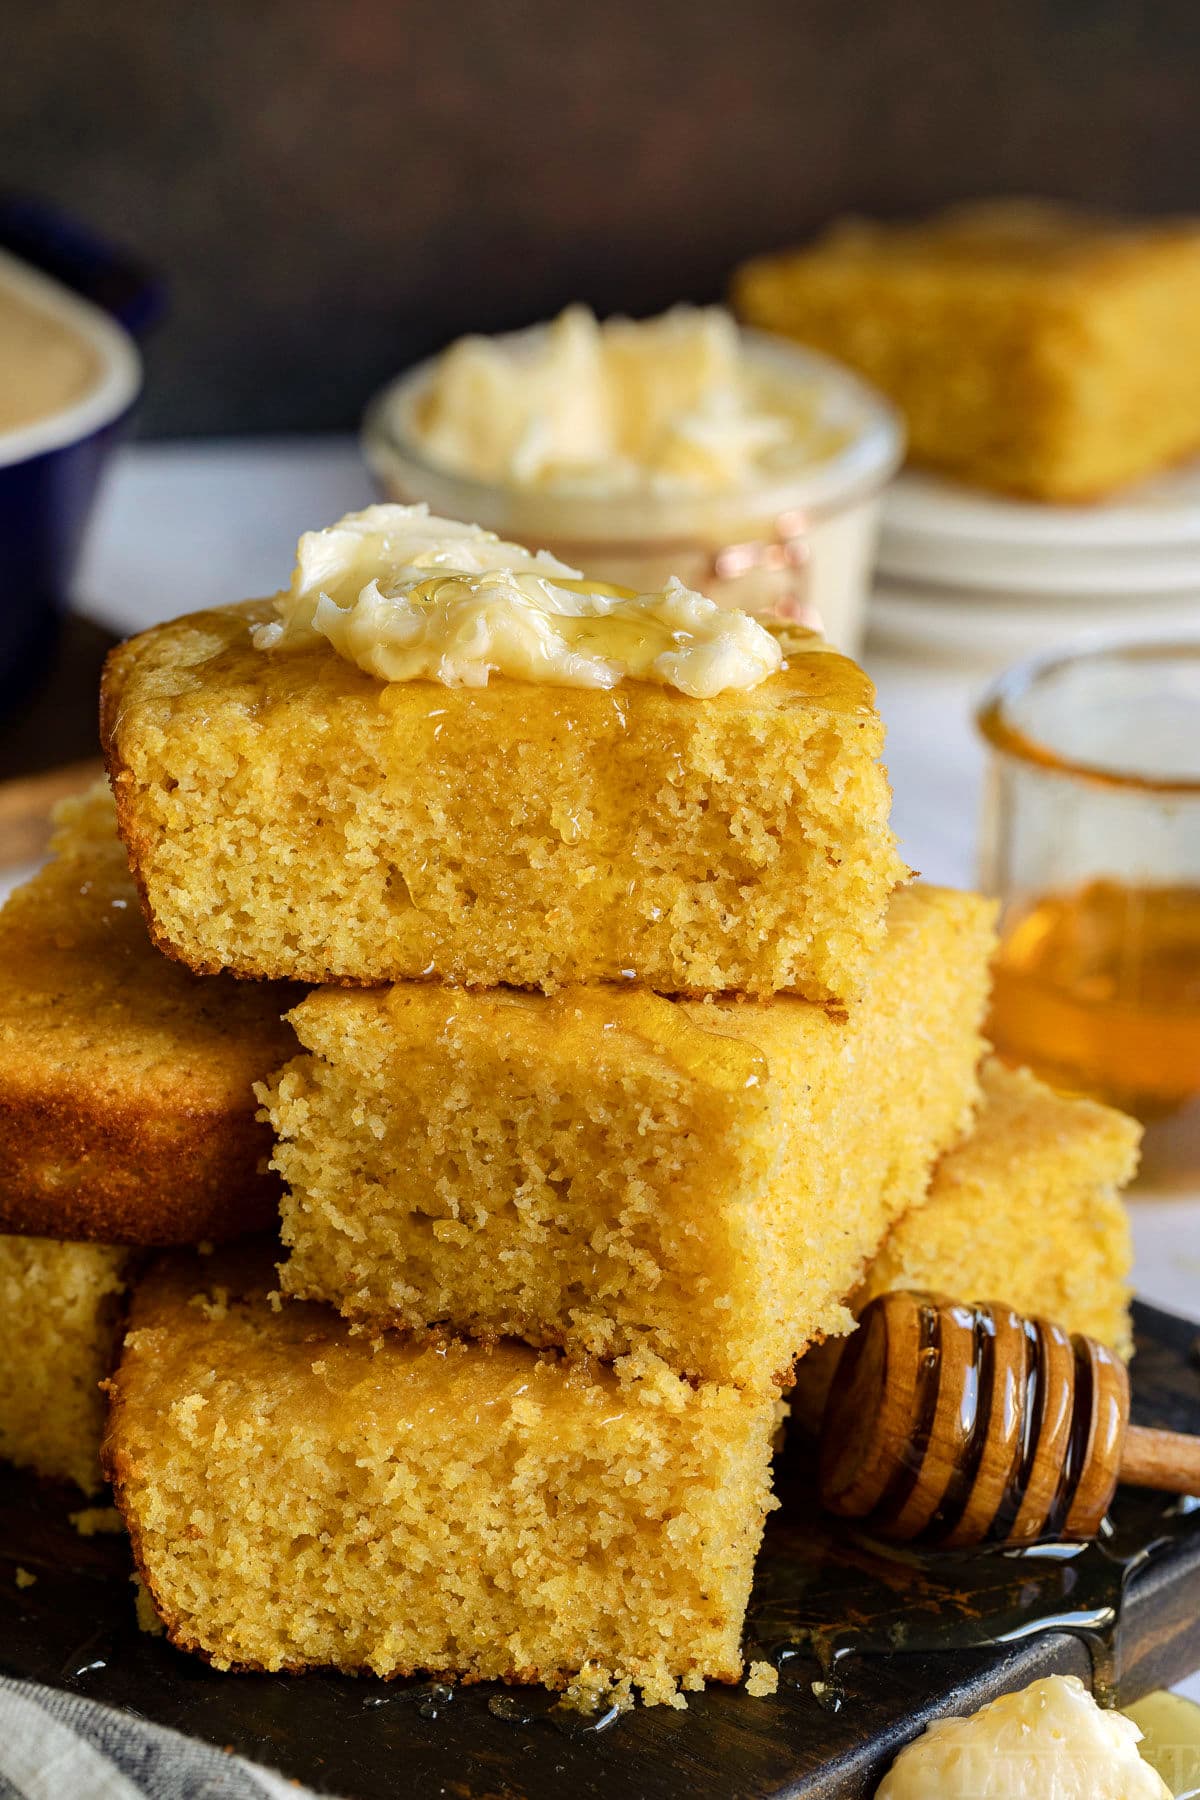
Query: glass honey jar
pixel 1092 842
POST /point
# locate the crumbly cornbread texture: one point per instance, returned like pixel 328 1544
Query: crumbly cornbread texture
pixel 126 1111
pixel 298 1496
pixel 608 1169
pixel 1031 349
pixel 1026 1210
pixel 287 814
pixel 59 1310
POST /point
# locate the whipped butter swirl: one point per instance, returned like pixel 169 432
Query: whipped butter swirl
pixel 408 597
pixel 1049 1740
pixel 666 405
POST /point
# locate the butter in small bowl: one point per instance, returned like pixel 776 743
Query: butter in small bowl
pixel 641 450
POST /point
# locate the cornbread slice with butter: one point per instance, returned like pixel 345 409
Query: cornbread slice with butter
pixel 609 1169
pixel 60 1307
pixel 126 1111
pixel 288 814
pixel 298 1496
pixel 1026 1210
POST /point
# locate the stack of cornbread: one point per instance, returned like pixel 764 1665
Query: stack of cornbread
pixel 628 1068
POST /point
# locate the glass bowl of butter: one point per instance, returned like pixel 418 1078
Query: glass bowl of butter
pixel 638 450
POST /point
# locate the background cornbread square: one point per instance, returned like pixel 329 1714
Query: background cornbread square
pixel 1031 349
pixel 1026 1210
pixel 126 1111
pixel 298 1495
pixel 60 1308
pixel 288 815
pixel 608 1169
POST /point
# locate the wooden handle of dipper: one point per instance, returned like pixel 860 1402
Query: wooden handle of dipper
pixel 963 1425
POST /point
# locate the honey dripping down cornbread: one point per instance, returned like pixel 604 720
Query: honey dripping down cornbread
pixel 1032 349
pixel 300 1496
pixel 1025 1210
pixel 60 1308
pixel 609 1169
pixel 288 813
pixel 126 1112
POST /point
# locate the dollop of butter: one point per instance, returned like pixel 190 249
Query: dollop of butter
pixel 1049 1739
pixel 671 404
pixel 409 597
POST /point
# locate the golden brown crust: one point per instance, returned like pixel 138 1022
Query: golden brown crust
pixel 120 781
pixel 127 1113
pixel 113 1464
pixel 78 1167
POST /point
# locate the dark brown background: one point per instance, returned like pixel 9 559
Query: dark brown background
pixel 334 189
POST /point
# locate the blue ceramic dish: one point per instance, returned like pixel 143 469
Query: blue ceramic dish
pixel 50 469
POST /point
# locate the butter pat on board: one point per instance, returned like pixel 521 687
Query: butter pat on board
pixel 1048 1740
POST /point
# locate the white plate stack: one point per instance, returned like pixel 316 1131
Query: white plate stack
pixel 970 577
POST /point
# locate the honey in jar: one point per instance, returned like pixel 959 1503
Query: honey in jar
pixel 1099 990
pixel 1091 840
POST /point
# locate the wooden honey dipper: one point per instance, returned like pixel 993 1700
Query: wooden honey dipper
pixel 965 1425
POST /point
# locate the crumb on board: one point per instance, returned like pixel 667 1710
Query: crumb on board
pixel 594 1690
pixel 763 1679
pixel 147 1618
pixel 24 1578
pixel 92 1521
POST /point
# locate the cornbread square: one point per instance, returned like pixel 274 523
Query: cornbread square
pixel 1026 1210
pixel 126 1111
pixel 610 1170
pixel 298 1495
pixel 60 1308
pixel 1046 1171
pixel 1032 349
pixel 287 814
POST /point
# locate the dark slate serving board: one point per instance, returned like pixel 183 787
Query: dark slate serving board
pixel 891 1642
